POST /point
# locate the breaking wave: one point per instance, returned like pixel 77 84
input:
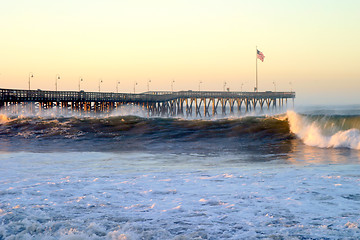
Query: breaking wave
pixel 119 132
pixel 326 131
pixel 124 132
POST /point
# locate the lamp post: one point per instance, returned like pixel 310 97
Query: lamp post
pixel 57 77
pixel 172 85
pixel 31 75
pixel 117 86
pixel 80 80
pixel 242 84
pixel 135 83
pixel 224 86
pixel 100 81
pixel 274 85
pixel 290 86
pixel 200 82
pixel 148 84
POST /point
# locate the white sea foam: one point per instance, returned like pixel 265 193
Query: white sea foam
pixel 94 196
pixel 312 133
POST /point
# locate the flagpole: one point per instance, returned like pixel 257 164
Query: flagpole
pixel 256 85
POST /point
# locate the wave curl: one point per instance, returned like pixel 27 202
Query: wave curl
pixel 326 131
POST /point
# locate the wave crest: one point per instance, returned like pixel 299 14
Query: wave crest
pixel 324 132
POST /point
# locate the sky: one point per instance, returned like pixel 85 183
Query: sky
pixel 310 46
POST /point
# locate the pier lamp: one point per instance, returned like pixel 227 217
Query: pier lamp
pixel 100 81
pixel 57 77
pixel 31 75
pixel 290 86
pixel 117 86
pixel 224 86
pixel 274 85
pixel 200 82
pixel 80 80
pixel 148 84
pixel 172 85
pixel 135 83
pixel 241 88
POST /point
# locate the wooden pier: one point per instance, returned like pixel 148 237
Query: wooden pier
pixel 161 103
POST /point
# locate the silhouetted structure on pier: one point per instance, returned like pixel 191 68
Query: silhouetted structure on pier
pixel 184 103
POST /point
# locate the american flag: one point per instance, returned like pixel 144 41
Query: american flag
pixel 260 55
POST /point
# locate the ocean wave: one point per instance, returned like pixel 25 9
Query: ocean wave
pixel 133 132
pixel 129 131
pixel 326 131
pixel 251 127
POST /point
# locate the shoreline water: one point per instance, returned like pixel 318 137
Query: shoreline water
pixel 93 196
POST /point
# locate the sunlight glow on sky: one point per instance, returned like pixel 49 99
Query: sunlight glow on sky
pixel 312 44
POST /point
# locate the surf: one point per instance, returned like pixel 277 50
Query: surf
pixel 326 131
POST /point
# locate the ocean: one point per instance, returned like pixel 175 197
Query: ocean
pixel 293 174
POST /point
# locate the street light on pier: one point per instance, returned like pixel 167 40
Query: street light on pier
pixel 241 88
pixel 200 82
pixel 100 81
pixel 290 86
pixel 57 77
pixel 274 85
pixel 148 84
pixel 31 75
pixel 135 83
pixel 117 86
pixel 172 85
pixel 224 86
pixel 80 80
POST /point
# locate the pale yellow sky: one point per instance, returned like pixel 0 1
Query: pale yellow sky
pixel 312 44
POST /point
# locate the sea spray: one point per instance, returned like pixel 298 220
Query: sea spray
pixel 323 132
pixel 3 119
pixel 129 110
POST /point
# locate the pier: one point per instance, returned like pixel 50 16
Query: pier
pixel 156 103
